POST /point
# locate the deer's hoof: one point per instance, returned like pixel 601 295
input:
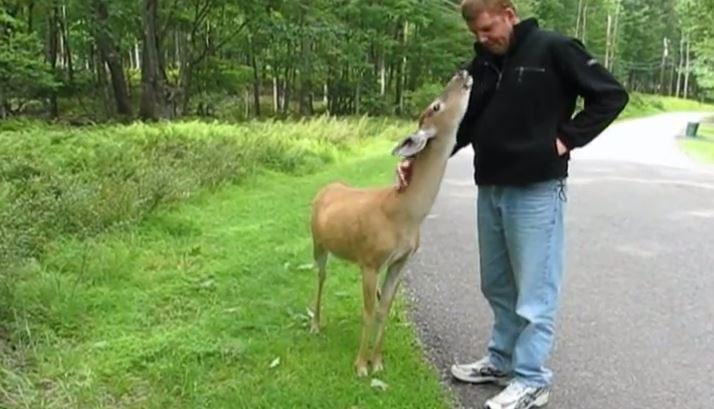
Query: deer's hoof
pixel 377 365
pixel 361 368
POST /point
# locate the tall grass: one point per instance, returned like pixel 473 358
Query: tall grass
pixel 80 181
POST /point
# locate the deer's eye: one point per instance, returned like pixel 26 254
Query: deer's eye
pixel 436 107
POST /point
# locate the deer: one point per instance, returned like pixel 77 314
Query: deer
pixel 378 228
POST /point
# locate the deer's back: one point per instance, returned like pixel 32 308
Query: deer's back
pixel 352 224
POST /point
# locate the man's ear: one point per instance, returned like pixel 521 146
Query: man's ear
pixel 414 143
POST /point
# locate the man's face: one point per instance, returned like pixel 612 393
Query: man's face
pixel 493 29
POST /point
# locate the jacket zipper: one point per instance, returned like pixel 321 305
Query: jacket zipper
pixel 522 69
pixel 499 72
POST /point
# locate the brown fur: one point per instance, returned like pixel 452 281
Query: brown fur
pixel 378 228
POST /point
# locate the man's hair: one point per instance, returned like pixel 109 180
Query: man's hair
pixel 471 8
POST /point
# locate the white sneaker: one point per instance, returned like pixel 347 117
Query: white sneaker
pixel 481 371
pixel 519 396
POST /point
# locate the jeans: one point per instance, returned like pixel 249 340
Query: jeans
pixel 520 238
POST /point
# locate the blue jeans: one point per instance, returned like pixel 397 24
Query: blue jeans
pixel 520 238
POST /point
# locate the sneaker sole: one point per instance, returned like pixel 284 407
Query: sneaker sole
pixel 540 402
pixel 502 381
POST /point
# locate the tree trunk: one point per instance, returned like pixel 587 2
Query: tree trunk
pixel 256 81
pixel 578 19
pixel 357 94
pixel 102 88
pixel 665 52
pixel 686 70
pixel 152 79
pixel 382 75
pixel 680 66
pixel 286 91
pixel 608 40
pixel 111 55
pixel 246 99
pixel 65 40
pixel 403 77
pixel 401 68
pixel 305 80
pixel 186 69
pixel 137 56
pixel 615 36
pixel 275 92
pixel 52 53
pixel 30 8
pixel 670 81
pixel 585 24
pixel 3 112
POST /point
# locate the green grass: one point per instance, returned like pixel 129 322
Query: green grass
pixel 701 147
pixel 190 308
pixel 57 181
pixel 167 265
pixel 645 104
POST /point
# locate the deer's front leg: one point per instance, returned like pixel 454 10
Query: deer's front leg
pixel 369 292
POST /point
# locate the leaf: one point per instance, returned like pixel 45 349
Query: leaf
pixel 208 284
pixel 378 384
pixel 100 344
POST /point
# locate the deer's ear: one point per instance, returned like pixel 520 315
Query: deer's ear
pixel 414 143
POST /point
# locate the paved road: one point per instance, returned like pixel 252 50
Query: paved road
pixel 636 329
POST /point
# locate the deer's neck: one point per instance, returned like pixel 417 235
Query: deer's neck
pixel 427 172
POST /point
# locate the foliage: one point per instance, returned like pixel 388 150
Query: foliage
pixel 23 73
pixel 60 181
pixel 258 58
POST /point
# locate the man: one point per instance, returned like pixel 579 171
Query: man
pixel 521 126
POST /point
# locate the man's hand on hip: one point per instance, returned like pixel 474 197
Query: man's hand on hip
pixel 560 146
pixel 404 174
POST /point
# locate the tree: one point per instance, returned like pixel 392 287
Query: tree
pixel 153 76
pixel 111 56
pixel 23 73
pixel 291 57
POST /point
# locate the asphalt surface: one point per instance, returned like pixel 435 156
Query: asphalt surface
pixel 636 326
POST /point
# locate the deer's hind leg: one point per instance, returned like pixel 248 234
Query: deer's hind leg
pixel 320 255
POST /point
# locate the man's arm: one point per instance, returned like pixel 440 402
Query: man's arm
pixel 462 137
pixel 604 97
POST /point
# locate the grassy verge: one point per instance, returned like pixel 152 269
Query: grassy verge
pixel 57 181
pixel 644 104
pixel 203 304
pixel 701 147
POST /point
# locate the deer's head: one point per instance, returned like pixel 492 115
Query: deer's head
pixel 441 118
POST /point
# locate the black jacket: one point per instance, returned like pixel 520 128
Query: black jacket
pixel 523 100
